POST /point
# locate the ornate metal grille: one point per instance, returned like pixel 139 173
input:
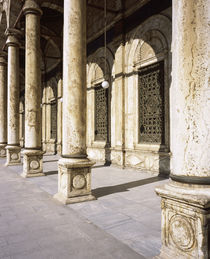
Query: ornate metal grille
pixel 53 134
pixel 151 104
pixel 101 113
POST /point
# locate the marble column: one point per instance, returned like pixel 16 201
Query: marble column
pixel 74 169
pixel 3 104
pixel 33 155
pixel 13 144
pixel 186 198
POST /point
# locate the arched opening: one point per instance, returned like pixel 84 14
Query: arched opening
pixel 148 82
pixel 99 107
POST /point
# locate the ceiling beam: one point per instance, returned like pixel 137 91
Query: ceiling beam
pixel 102 8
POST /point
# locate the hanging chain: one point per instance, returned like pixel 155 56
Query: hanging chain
pixel 105 22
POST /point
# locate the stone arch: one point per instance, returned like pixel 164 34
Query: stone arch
pixel 148 47
pixel 151 44
pixel 96 66
pixel 98 144
pixel 157 27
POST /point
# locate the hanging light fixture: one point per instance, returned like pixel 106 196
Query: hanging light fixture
pixel 105 83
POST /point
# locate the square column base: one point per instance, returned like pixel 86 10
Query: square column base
pixel 32 163
pixel 74 180
pixel 185 221
pixel 61 198
pixel 3 151
pixel 13 155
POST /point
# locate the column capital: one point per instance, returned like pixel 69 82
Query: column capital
pixel 3 61
pixel 13 37
pixel 32 7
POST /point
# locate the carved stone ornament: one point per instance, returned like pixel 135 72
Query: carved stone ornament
pixel 79 181
pixel 14 156
pixel 34 164
pixel 181 232
pixel 2 152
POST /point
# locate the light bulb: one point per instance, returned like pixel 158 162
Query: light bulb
pixel 105 84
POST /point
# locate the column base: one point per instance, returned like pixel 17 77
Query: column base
pixel 3 151
pixel 185 221
pixel 32 163
pixel 13 155
pixel 60 197
pixel 74 180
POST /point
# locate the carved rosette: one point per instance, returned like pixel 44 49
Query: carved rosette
pixel 79 182
pixel 34 164
pixel 14 156
pixel 181 232
pixel 2 151
pixel 181 224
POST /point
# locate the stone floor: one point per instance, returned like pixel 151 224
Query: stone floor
pixel 124 221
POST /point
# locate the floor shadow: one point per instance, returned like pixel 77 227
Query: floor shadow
pixel 104 165
pixel 56 160
pixel 103 191
pixel 50 173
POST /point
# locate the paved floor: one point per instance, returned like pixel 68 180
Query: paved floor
pixel 124 221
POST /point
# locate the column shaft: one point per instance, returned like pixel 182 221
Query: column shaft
pixel 33 155
pixel 13 144
pixel 74 74
pixel 190 90
pixel 13 95
pixel 74 169
pixel 33 83
pixel 186 198
pixel 3 104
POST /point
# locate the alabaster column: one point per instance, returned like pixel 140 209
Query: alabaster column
pixel 186 198
pixel 3 104
pixel 13 144
pixel 74 169
pixel 33 155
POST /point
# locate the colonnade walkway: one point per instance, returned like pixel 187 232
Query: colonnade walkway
pixel 124 221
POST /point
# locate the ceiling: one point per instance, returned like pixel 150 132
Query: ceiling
pixel 52 23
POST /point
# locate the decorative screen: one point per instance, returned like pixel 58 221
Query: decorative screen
pixel 101 113
pixel 151 103
pixel 53 120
